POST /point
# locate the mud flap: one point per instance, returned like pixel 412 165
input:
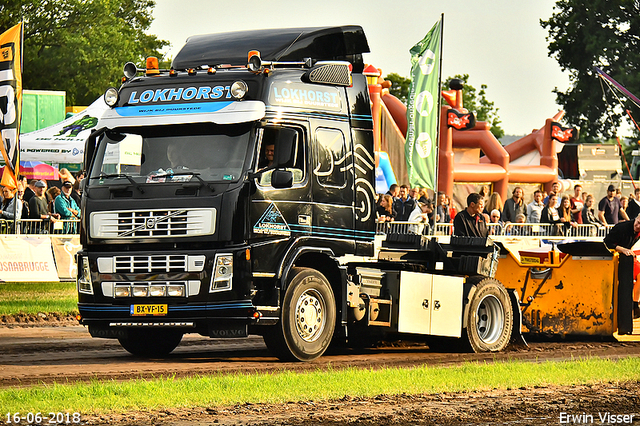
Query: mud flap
pixel 625 294
pixel 516 335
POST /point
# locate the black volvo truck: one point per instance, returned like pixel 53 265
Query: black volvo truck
pixel 234 194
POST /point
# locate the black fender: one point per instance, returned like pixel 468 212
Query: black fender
pixel 516 335
pixel 335 273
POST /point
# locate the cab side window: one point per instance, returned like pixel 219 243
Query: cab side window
pixel 331 150
pixel 268 147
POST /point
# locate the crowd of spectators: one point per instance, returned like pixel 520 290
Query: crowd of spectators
pixel 32 200
pixel 559 211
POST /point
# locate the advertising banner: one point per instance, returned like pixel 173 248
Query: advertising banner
pixel 422 112
pixel 11 101
pixel 26 259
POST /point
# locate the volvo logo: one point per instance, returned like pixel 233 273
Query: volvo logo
pixel 150 223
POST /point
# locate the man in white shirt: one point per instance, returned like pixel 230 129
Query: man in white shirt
pixel 535 207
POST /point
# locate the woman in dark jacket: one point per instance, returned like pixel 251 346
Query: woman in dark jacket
pixel 385 212
pixel 550 215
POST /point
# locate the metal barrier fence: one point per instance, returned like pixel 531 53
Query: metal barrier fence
pixel 497 229
pixel 39 226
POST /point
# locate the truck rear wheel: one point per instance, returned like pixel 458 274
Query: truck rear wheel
pixel 308 318
pixel 489 317
pixel 150 343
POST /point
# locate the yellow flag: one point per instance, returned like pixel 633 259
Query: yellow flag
pixel 10 101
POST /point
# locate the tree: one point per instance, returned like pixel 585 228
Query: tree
pixel 80 46
pixel 603 33
pixel 399 86
pixel 478 103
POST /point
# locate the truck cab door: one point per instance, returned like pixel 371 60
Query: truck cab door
pixel 279 215
pixel 332 180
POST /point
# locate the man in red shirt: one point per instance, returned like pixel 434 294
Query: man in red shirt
pixel 577 203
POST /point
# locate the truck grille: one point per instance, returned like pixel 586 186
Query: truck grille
pixel 145 264
pixel 153 223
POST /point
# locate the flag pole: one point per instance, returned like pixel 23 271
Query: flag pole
pixel 439 107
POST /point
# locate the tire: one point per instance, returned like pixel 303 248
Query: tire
pixel 150 343
pixel 489 317
pixel 308 318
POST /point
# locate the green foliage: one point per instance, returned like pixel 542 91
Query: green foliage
pixel 603 33
pixel 477 102
pixel 80 46
pixel 399 86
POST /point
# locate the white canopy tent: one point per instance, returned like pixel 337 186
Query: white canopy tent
pixel 63 142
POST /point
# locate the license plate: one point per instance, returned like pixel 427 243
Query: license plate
pixel 142 310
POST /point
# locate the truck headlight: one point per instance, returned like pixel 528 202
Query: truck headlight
pixel 157 290
pixel 122 291
pixel 140 291
pixel 111 96
pixel 222 273
pixel 239 89
pixel 84 279
pixel 175 290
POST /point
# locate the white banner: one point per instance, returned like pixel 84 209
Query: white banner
pixel 62 142
pixel 26 259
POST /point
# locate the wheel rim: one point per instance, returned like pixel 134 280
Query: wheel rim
pixel 490 319
pixel 310 315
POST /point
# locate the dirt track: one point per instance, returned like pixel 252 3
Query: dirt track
pixel 66 353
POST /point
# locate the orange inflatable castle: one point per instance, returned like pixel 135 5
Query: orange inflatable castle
pixel 462 140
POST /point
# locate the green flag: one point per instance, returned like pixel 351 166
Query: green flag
pixel 422 112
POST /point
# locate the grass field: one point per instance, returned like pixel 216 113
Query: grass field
pixel 222 390
pixel 31 298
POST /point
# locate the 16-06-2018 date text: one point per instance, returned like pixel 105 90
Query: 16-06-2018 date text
pixel 42 418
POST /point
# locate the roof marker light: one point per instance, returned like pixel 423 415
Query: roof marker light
pixel 192 71
pixel 211 71
pixel 254 62
pixel 153 68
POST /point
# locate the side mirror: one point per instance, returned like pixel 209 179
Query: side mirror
pixel 90 148
pixel 281 179
pixel 285 145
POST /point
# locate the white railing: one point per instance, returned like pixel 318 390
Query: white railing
pixel 535 230
pixel 39 226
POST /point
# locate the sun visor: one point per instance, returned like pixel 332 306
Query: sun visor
pixel 231 112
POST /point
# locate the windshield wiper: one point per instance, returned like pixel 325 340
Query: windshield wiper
pixel 119 175
pixel 195 174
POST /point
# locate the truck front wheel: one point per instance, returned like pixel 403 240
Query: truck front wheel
pixel 489 317
pixel 308 318
pixel 150 343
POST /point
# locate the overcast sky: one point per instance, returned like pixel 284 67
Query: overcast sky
pixel 499 43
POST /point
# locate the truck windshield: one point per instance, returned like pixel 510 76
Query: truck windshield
pixel 173 153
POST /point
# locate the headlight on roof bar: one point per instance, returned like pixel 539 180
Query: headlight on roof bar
pixel 111 96
pixel 239 89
